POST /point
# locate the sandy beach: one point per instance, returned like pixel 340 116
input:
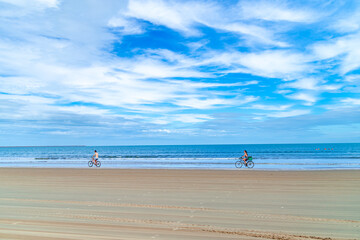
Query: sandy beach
pixel 178 204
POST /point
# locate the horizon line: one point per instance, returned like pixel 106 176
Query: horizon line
pixel 203 144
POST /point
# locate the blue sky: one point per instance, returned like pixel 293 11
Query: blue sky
pixel 179 72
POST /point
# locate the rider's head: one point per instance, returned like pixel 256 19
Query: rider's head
pixel 95 150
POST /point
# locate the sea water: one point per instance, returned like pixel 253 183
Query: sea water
pixel 265 156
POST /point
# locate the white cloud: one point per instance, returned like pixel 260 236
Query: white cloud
pixel 131 90
pixel 198 103
pixel 47 69
pixel 280 113
pixel 276 63
pixel 309 98
pixel 257 33
pixel 192 118
pixel 83 110
pixel 283 92
pixel 126 26
pixel 34 4
pixel 269 107
pixel 157 130
pixel 61 132
pixel 343 103
pixel 39 107
pixel 351 101
pixel 276 11
pixel 284 64
pixel 12 9
pixel 349 23
pixel 305 83
pixel 346 48
pixel 27 99
pixel 182 118
pixel 149 68
pixel 191 84
pixel 353 78
pixel 163 13
pixel 311 84
pixel 19 85
pixel 291 113
pixel 186 16
pixel 59 62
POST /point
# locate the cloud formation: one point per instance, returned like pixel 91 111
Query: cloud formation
pixel 174 68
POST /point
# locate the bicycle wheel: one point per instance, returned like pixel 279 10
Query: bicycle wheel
pixel 238 164
pixel 90 163
pixel 250 164
pixel 98 163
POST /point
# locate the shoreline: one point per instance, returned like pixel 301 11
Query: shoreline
pixel 63 203
pixel 255 169
pixel 193 169
pixel 184 164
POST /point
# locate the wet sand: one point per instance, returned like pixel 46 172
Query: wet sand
pixel 178 204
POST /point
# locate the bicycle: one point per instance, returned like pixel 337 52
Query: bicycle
pixel 249 163
pixel 92 163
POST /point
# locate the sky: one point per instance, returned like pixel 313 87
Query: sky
pixel 143 72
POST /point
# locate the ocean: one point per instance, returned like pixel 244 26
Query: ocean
pixel 265 156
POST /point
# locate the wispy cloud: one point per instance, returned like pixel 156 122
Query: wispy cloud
pixel 291 113
pixel 269 107
pixel 277 64
pixel 309 98
pixel 349 22
pixel 311 84
pixel 345 48
pixel 28 6
pixel 125 25
pixel 186 16
pixel 276 11
pixel 351 101
pixel 175 67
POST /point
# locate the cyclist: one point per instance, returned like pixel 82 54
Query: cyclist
pixel 95 157
pixel 245 156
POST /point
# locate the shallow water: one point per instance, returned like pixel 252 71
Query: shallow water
pixel 265 156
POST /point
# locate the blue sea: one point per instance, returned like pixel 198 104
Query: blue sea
pixel 265 156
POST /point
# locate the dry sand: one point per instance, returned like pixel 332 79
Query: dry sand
pixel 178 204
